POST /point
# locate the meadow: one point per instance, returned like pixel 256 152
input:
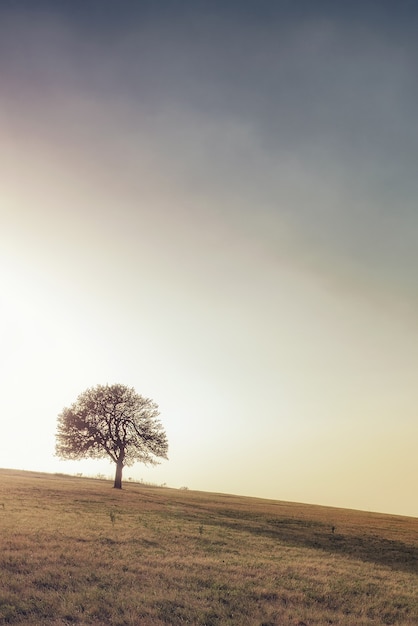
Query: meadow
pixel 75 551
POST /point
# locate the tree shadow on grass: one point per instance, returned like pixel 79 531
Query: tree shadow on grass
pixel 317 535
pixel 314 534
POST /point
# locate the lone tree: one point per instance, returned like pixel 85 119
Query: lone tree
pixel 114 421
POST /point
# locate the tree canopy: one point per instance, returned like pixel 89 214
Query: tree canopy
pixel 112 421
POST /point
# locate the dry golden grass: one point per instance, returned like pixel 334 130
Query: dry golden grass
pixel 75 551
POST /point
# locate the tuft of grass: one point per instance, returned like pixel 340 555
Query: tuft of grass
pixel 252 561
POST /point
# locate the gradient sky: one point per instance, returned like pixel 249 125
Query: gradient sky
pixel 216 203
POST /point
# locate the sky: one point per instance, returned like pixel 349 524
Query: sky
pixel 216 203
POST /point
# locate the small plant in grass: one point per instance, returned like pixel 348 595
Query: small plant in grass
pixel 260 562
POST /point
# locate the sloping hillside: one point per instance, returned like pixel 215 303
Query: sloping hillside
pixel 75 551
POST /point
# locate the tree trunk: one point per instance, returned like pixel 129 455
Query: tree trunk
pixel 118 476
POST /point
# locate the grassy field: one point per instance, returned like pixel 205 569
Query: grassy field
pixel 76 551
